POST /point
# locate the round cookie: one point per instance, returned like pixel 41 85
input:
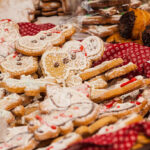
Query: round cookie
pixel 94 47
pixel 77 54
pixel 18 65
pixel 31 46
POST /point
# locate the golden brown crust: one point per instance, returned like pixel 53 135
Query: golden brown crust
pixel 103 67
pixel 117 72
pixel 89 130
pixel 98 95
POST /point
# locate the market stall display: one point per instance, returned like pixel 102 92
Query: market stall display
pixel 62 94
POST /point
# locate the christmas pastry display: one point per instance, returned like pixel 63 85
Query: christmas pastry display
pixel 132 28
pixel 101 17
pixel 52 96
pixel 48 8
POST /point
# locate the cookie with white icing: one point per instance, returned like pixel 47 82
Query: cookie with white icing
pixel 101 31
pixel 19 138
pixel 27 85
pixel 11 101
pixel 64 142
pixel 130 119
pixel 57 63
pixel 59 98
pixel 53 37
pixel 66 29
pixel 77 55
pixel 31 46
pixel 17 65
pixel 94 47
pixel 7 116
pixel 46 126
pixel 119 88
pixel 122 109
pixel 120 71
pixel 101 68
pixel 62 109
pixel 9 31
pixel 38 44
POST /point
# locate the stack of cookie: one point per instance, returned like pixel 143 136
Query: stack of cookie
pixel 49 88
pixel 103 15
pixel 49 8
pixel 133 27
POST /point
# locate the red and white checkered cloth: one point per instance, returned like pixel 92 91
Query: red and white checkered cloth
pixel 32 29
pixel 129 52
pixel 125 138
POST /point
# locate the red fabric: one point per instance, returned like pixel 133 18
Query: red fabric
pixel 129 52
pixel 32 29
pixel 123 139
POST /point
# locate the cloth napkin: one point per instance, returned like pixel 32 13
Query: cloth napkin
pixel 129 52
pixel 32 29
pixel 125 138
